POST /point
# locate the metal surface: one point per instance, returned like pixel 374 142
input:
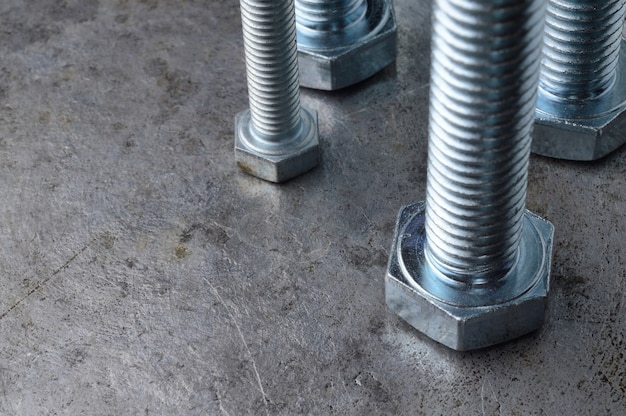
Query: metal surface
pixel 582 86
pixel 342 42
pixel 144 274
pixel 275 139
pixel 471 268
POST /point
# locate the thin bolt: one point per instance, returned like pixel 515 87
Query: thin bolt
pixel 582 42
pixel 485 63
pixel 276 139
pixel 269 35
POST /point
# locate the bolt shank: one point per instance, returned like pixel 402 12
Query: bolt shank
pixel 485 62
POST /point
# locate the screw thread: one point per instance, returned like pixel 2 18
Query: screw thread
pixel 269 34
pixel 330 15
pixel 485 64
pixel 581 47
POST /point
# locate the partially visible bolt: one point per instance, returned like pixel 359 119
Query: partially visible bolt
pixel 470 267
pixel 342 42
pixel 581 106
pixel 276 139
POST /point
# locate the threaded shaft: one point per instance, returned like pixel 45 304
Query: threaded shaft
pixel 330 15
pixel 582 41
pixel 269 35
pixel 485 63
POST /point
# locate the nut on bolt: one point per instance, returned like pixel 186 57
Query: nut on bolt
pixel 342 42
pixel 468 317
pixel 582 130
pixel 581 105
pixel 277 161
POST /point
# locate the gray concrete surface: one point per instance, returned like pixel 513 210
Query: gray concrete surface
pixel 143 274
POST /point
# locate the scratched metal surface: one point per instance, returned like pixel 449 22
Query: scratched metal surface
pixel 142 273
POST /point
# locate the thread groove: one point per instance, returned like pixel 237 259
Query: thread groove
pixel 330 15
pixel 485 63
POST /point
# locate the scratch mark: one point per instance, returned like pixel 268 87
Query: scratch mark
pixel 243 339
pixel 495 397
pixel 346 116
pixel 482 397
pixel 219 401
pixel 46 280
pixel 323 253
pixel 369 220
pixel 493 394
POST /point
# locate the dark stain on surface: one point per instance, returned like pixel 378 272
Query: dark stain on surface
pixel 76 11
pixel 108 240
pixel 210 233
pixel 363 258
pixel 177 85
pixel 181 252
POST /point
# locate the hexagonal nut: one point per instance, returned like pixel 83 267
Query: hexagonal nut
pixel 329 68
pixel 277 161
pixel 582 130
pixel 464 317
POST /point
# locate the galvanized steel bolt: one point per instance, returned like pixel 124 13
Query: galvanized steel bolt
pixel 470 267
pixel 276 139
pixel 342 42
pixel 582 87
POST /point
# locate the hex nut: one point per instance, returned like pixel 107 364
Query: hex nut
pixel 333 65
pixel 583 130
pixel 277 161
pixel 465 317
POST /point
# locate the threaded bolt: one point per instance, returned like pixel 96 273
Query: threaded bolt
pixel 324 16
pixel 272 67
pixel 481 111
pixel 582 42
pixel 276 138
pixel 466 251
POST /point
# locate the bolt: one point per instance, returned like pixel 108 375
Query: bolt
pixel 581 105
pixel 469 267
pixel 342 42
pixel 276 139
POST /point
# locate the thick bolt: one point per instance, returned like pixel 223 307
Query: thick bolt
pixel 276 139
pixel 581 107
pixel 342 42
pixel 470 266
